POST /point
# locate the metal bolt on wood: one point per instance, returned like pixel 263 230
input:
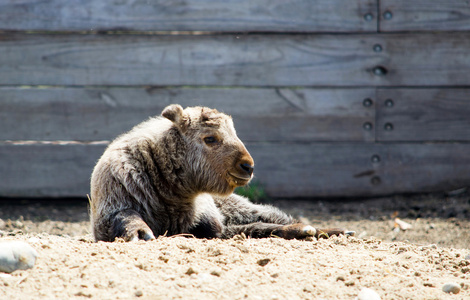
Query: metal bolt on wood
pixel 388 15
pixel 378 48
pixel 367 126
pixel 388 126
pixel 375 158
pixel 389 103
pixel 368 17
pixel 367 102
pixel 380 71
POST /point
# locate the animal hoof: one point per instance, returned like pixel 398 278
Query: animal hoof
pixel 148 236
pixel 141 234
pixel 145 234
pixel 309 230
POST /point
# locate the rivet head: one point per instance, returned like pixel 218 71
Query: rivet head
pixel 377 48
pixel 388 126
pixel 379 71
pixel 367 126
pixel 367 102
pixel 388 15
pixel 375 158
pixel 389 103
pixel 375 180
pixel 368 17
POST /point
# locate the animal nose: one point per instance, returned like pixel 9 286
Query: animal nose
pixel 247 168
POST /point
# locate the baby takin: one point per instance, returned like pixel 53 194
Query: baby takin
pixel 176 174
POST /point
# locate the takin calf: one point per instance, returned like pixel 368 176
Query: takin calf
pixel 175 174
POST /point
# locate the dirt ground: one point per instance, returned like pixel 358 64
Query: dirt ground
pixel 397 264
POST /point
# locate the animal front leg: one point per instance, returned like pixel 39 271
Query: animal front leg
pixel 129 225
pixel 326 233
pixel 263 230
pixel 292 231
pixel 238 210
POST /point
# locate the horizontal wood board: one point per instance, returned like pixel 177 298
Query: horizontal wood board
pixel 416 115
pixel 191 15
pixel 424 15
pixel 260 114
pixel 285 170
pixel 233 60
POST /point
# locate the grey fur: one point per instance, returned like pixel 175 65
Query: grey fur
pixel 176 174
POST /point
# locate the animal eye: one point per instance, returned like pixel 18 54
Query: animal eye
pixel 210 140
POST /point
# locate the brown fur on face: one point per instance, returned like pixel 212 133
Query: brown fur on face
pixel 176 174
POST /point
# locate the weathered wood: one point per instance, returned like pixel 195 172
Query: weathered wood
pixel 423 115
pixel 425 15
pixel 285 170
pixel 425 59
pixel 265 114
pixel 230 60
pixel 47 170
pixel 200 15
pixel 226 60
pixel 349 170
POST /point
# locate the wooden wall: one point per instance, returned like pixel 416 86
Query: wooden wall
pixel 332 97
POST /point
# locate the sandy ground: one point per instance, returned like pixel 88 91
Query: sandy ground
pixel 397 264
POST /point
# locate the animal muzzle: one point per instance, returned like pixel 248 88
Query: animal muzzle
pixel 247 168
pixel 244 168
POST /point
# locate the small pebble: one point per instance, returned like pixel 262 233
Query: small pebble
pixel 16 255
pixel 367 294
pixel 263 262
pixel 139 293
pixel 451 287
pixel 402 224
pixel 190 271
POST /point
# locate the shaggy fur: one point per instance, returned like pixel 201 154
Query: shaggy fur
pixel 176 174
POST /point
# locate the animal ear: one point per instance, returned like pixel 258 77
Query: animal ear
pixel 174 113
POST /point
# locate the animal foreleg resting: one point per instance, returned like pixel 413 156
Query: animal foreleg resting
pixel 129 225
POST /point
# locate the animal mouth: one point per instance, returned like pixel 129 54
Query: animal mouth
pixel 240 179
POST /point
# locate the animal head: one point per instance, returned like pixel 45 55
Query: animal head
pixel 216 156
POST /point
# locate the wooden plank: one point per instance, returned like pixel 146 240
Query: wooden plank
pixel 227 60
pixel 192 15
pixel 285 170
pixel 231 60
pixel 425 59
pixel 417 115
pixel 349 170
pixel 424 15
pixel 47 170
pixel 261 114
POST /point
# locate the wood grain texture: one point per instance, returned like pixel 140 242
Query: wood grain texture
pixel 47 170
pixel 261 114
pixel 425 15
pixel 223 60
pixel 192 15
pixel 285 170
pixel 425 59
pixel 231 60
pixel 420 115
pixel 348 170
